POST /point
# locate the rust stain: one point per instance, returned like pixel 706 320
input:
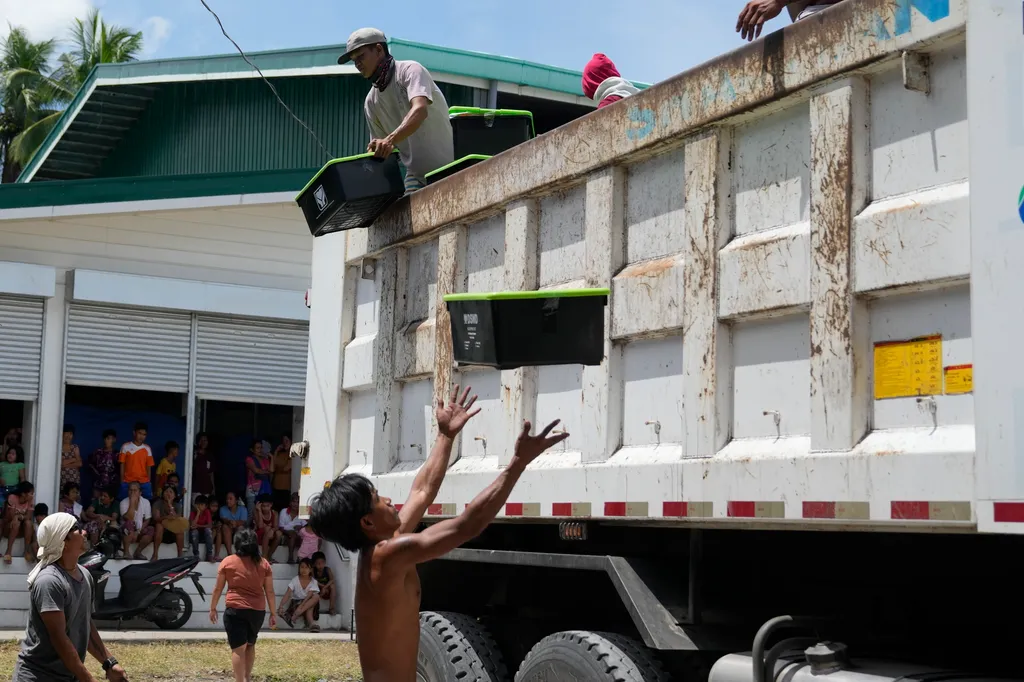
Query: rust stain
pixel 651 268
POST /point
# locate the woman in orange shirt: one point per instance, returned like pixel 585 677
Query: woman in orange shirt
pixel 250 583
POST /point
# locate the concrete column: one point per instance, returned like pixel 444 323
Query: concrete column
pixel 840 337
pixel 604 222
pixel 45 457
pixel 707 343
pixel 519 386
pixel 324 423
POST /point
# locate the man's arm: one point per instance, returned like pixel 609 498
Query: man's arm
pixel 410 124
pixel 757 12
pixel 441 538
pixel 451 418
pixel 56 629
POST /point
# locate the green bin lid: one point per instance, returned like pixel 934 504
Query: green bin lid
pixel 456 162
pixel 513 295
pixel 454 112
pixel 331 163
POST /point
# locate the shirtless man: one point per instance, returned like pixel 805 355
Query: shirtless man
pixel 352 514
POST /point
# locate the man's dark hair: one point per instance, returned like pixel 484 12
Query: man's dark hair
pixel 140 426
pixel 200 499
pixel 335 514
pixel 24 488
pixel 109 432
pixel 41 509
pixel 264 497
pixel 246 545
pixel 171 445
pixel 317 556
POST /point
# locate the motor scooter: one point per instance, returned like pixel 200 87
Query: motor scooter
pixel 147 589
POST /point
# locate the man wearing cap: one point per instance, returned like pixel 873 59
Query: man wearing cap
pixel 60 629
pixel 404 108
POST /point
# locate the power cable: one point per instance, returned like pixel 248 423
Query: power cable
pixel 269 84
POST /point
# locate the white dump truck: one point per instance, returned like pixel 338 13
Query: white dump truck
pixel 809 246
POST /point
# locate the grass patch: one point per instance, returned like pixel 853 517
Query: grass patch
pixel 276 661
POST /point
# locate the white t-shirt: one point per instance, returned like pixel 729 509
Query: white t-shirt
pixel 142 512
pixel 298 592
pixel 286 522
pixel 431 146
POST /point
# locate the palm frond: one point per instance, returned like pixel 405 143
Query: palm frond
pixel 25 145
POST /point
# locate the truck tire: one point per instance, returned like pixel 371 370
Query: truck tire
pixel 592 656
pixel 454 646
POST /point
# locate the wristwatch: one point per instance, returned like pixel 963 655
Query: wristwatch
pixel 109 663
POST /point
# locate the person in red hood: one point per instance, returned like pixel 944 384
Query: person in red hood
pixel 603 83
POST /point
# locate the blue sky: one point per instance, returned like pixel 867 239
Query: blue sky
pixel 649 40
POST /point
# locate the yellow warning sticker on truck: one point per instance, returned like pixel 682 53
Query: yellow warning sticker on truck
pixel 959 379
pixel 905 369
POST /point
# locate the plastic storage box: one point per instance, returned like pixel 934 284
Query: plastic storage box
pixel 528 328
pixel 488 131
pixel 351 192
pixel 454 167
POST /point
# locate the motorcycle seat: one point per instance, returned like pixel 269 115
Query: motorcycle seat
pixel 152 569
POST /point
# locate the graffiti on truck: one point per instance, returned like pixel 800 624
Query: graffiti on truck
pixel 644 121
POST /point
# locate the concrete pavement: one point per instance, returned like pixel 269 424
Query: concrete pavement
pixel 148 636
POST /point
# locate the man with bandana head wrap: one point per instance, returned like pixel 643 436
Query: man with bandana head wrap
pixel 60 629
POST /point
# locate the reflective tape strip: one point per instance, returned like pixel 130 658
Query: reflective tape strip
pixel 522 509
pixel 570 509
pixel 1008 512
pixel 849 511
pixel 625 509
pixel 756 510
pixel 911 510
pixel 690 510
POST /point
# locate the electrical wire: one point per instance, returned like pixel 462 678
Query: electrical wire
pixel 269 84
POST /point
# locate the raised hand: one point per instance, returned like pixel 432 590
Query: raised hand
pixel 453 416
pixel 528 447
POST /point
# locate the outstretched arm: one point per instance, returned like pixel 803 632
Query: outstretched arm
pixel 441 538
pixel 450 420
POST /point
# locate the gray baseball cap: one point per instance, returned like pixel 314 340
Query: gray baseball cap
pixel 361 38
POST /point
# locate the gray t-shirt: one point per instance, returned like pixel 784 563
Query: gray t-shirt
pixel 55 590
pixel 431 146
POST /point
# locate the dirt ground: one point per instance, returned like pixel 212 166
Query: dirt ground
pixel 276 661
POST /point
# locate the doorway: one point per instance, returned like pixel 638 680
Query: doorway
pixel 230 428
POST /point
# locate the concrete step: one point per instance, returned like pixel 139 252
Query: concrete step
pixel 17 618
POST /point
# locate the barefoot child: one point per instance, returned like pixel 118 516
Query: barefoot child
pixel 302 598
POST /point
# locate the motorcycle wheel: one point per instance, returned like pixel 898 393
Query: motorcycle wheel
pixel 176 600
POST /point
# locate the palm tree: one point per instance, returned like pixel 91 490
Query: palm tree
pixel 19 95
pixel 93 42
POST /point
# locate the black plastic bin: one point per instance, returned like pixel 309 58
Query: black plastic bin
pixel 488 131
pixel 454 167
pixel 351 192
pixel 528 328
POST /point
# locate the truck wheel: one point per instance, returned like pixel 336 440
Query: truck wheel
pixel 456 647
pixel 592 656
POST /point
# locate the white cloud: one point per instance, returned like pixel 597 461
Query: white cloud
pixel 42 19
pixel 155 31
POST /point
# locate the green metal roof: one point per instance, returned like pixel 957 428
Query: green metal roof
pixel 104 110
